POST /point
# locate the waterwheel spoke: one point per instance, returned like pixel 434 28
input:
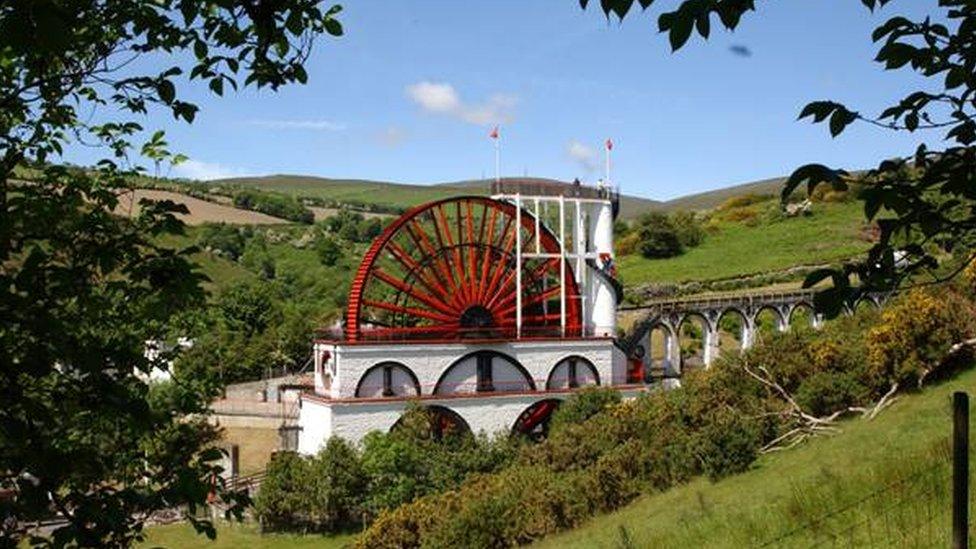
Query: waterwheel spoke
pixel 492 291
pixel 416 294
pixel 423 242
pixel 486 263
pixel 509 282
pixel 428 279
pixel 537 298
pixel 412 311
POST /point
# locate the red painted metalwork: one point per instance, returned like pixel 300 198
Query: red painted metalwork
pixel 534 421
pixel 446 270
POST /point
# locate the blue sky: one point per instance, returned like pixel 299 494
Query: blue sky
pixel 411 91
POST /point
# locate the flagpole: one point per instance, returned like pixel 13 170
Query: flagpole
pixel 498 174
pixel 608 148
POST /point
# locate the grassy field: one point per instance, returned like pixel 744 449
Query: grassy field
pixel 830 234
pixel 233 536
pixel 891 474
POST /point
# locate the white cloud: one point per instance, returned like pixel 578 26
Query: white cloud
pixel 434 97
pixel 316 125
pixel 204 171
pixel 584 156
pixel 392 136
pixel 442 98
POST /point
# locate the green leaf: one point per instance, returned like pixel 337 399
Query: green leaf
pixel 840 120
pixel 217 85
pixel 813 175
pixel 333 27
pixel 166 91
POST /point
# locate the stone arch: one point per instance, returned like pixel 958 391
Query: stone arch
pixel 798 311
pixel 388 379
pixel 572 372
pixel 733 323
pixel 484 371
pixel 655 352
pixel 779 320
pixel 533 422
pixel 443 422
pixel 694 333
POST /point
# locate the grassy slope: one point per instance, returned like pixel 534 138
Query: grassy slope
pixel 232 536
pixel 770 499
pixel 830 234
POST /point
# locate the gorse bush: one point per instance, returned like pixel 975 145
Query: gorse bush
pixel 601 453
pixel 583 405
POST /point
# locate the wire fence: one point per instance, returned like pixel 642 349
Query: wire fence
pixel 911 511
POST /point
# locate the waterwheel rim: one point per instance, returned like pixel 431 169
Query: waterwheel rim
pixel 446 270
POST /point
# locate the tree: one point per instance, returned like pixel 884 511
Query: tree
pixel 81 290
pixel 658 236
pixel 328 250
pixel 923 203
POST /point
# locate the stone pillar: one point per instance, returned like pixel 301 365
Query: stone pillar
pixel 712 348
pixel 748 333
pixel 672 353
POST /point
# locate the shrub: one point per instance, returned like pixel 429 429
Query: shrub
pixel 224 239
pixel 688 227
pixel 826 392
pixel 628 244
pixel 328 250
pixel 337 486
pixel 658 237
pixel 283 500
pixel 742 201
pixel 583 405
pixel 914 334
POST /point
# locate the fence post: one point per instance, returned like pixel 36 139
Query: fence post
pixel 960 470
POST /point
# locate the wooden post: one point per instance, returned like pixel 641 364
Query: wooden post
pixel 960 470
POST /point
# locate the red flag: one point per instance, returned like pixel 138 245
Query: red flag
pixel 494 133
pixel 609 144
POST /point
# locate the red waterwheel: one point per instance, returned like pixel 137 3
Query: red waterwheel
pixel 447 269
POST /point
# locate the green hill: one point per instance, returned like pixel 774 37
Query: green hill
pixel 879 483
pixel 397 195
pixel 403 195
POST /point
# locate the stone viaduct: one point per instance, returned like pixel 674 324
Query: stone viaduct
pixel 669 315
